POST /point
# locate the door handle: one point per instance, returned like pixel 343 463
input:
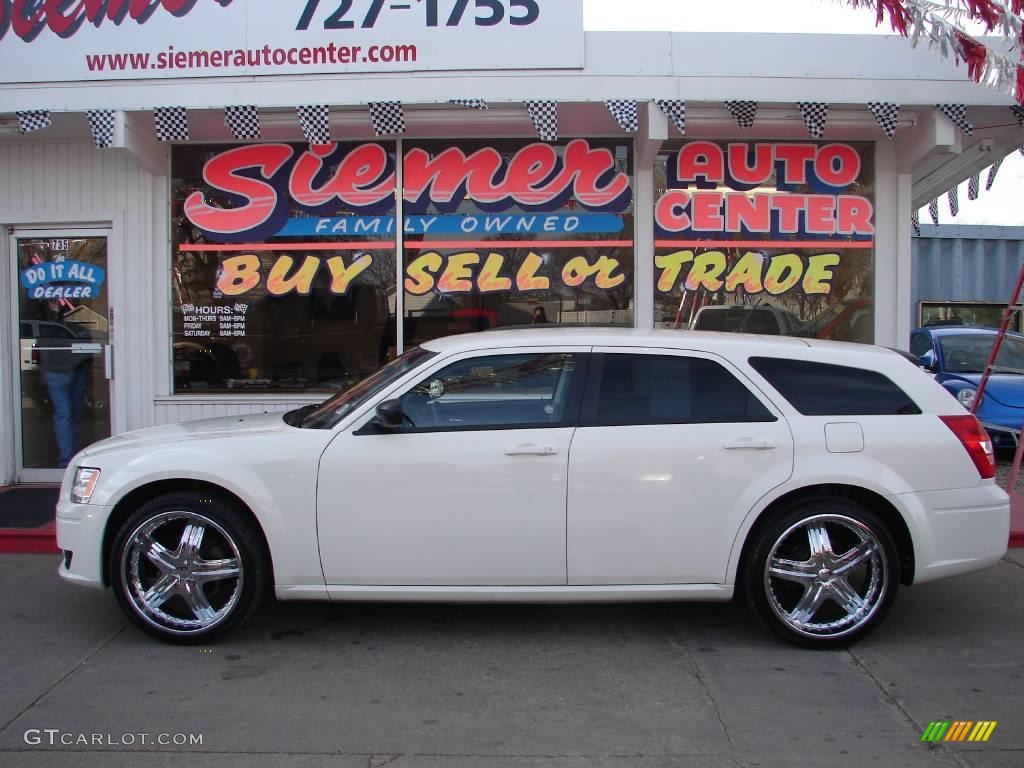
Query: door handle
pixel 749 444
pixel 531 449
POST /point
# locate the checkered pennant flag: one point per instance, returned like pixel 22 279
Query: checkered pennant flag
pixel 469 103
pixel 958 114
pixel 933 211
pixel 887 115
pixel 915 221
pixel 315 120
pixel 974 186
pixel 388 118
pixel 675 110
pixel 1018 112
pixel 625 114
pixel 243 121
pixel 743 112
pixel 953 196
pixel 33 120
pixel 992 171
pixel 544 115
pixel 815 114
pixel 171 123
pixel 101 123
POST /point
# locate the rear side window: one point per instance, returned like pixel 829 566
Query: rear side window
pixel 819 389
pixel 667 389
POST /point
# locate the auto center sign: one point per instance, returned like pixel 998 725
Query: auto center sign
pixel 70 40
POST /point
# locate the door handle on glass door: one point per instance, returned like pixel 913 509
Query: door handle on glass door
pixel 531 449
pixel 749 444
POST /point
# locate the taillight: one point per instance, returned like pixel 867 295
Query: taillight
pixel 975 440
pixel 35 355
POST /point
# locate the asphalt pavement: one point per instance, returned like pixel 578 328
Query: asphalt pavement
pixel 426 686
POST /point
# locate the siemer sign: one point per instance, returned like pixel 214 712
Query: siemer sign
pixel 70 40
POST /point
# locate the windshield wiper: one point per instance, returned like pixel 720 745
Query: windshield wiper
pixel 298 416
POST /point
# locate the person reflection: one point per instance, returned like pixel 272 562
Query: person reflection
pixel 65 375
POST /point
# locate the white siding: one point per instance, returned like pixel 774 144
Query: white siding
pixel 44 184
pixel 173 409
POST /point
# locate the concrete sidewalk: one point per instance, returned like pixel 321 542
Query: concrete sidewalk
pixel 499 686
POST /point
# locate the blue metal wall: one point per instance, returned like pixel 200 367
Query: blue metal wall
pixel 965 263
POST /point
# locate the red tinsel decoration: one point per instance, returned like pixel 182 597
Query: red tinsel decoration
pixel 974 54
pixel 1019 92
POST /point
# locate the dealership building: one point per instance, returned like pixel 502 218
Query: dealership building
pixel 219 207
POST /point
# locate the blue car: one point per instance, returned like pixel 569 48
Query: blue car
pixel 957 356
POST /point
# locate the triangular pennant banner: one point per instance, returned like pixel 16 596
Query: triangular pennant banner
pixel 625 113
pixel 915 221
pixel 954 201
pixel 469 103
pixel 243 121
pixel 992 171
pixel 974 186
pixel 1018 112
pixel 958 114
pixel 887 115
pixel 388 118
pixel 544 115
pixel 315 120
pixel 33 120
pixel 743 112
pixel 933 210
pixel 171 123
pixel 101 124
pixel 675 110
pixel 815 115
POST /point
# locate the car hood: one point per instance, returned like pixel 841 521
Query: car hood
pixel 1006 388
pixel 250 425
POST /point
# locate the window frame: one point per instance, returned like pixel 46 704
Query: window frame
pixel 570 418
pixel 588 412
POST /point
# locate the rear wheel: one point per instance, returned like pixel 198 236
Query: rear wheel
pixel 187 567
pixel 824 573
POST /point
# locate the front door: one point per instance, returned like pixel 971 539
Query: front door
pixel 471 491
pixel 62 391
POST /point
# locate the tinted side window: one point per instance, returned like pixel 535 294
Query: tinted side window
pixel 819 389
pixel 920 343
pixel 667 389
pixel 497 391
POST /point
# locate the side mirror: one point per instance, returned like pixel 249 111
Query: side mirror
pixel 928 362
pixel 389 416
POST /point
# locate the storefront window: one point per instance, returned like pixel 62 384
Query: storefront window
pixel 506 233
pixel 766 237
pixel 283 266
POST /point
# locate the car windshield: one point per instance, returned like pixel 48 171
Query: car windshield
pixel 969 353
pixel 815 324
pixel 329 412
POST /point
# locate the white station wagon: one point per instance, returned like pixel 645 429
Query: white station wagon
pixel 554 465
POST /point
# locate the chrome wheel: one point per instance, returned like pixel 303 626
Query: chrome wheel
pixel 826 576
pixel 181 572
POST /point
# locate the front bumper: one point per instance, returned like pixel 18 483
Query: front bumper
pixel 958 531
pixel 80 530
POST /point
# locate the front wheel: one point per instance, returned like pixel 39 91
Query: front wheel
pixel 824 573
pixel 187 567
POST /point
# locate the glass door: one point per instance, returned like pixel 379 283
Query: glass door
pixel 63 350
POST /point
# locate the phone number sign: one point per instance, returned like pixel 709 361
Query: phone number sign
pixel 146 39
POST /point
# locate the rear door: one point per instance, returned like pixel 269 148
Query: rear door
pixel 673 450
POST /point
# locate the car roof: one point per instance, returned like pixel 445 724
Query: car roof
pixel 963 330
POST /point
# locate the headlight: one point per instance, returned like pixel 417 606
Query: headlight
pixel 966 397
pixel 85 483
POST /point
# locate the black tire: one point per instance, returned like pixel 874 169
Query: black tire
pixel 823 599
pixel 175 581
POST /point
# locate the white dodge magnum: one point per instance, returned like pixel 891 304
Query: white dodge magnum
pixel 554 465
